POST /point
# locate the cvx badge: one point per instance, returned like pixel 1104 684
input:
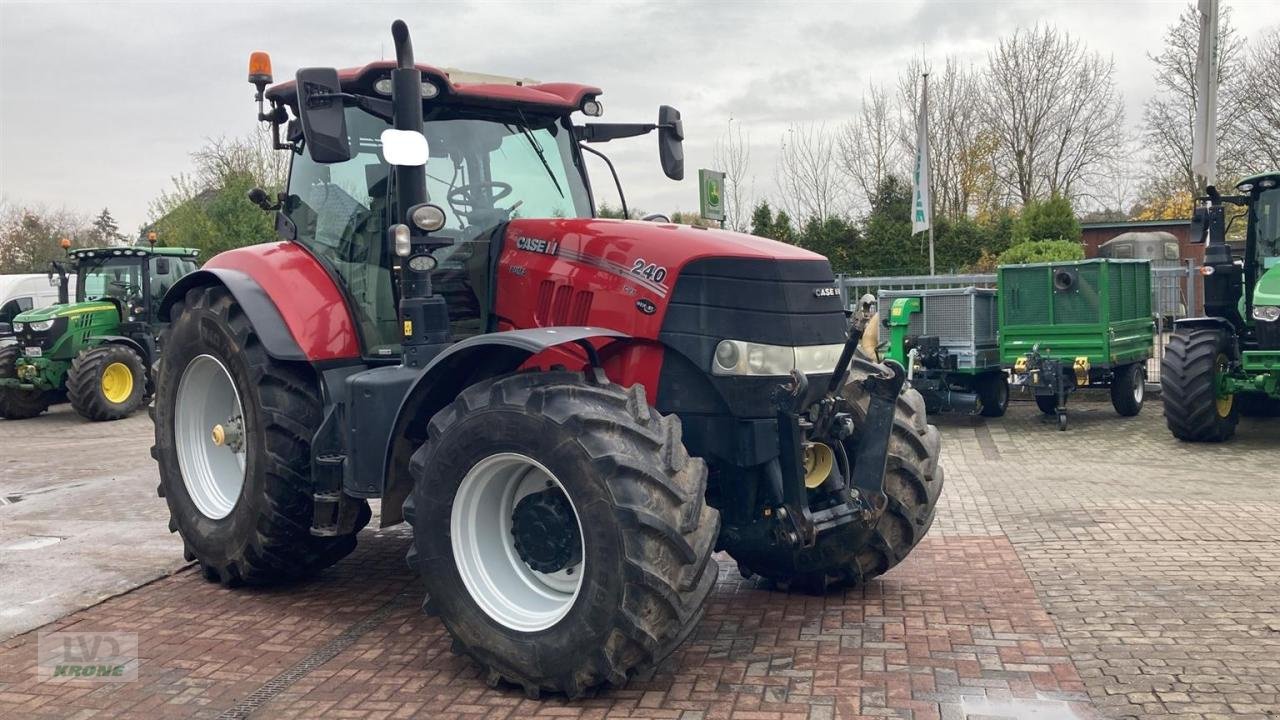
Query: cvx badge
pixel 825 292
pixel 646 306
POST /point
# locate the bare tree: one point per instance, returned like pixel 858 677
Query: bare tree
pixel 869 144
pixel 732 156
pixel 1055 110
pixel 810 181
pixel 29 236
pixel 1169 116
pixel 1260 137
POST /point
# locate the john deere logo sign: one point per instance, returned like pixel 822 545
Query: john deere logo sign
pixel 711 194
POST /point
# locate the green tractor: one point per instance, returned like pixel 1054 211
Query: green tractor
pixel 1227 364
pixel 97 351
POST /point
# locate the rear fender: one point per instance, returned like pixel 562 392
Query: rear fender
pixel 463 364
pixel 1211 323
pixel 295 304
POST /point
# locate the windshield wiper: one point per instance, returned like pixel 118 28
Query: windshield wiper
pixel 537 147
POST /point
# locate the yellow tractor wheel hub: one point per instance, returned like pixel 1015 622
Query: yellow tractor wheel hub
pixel 117 383
pixel 1225 402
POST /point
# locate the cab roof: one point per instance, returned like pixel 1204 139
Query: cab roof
pixel 134 251
pixel 560 97
pixel 1254 179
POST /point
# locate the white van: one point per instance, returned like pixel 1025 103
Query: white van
pixel 19 293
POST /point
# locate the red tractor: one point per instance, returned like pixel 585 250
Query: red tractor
pixel 572 413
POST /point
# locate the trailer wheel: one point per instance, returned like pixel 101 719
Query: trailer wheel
pixel 1048 404
pixel 993 392
pixel 16 403
pixel 233 442
pixel 1189 373
pixel 561 530
pixel 1128 389
pixel 107 382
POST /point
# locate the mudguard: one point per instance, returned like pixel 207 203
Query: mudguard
pixel 1205 322
pixel 262 311
pixel 436 385
pixel 127 342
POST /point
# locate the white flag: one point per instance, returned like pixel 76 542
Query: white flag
pixel 921 208
pixel 1204 150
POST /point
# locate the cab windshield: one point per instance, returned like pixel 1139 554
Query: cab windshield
pixel 483 170
pixel 110 278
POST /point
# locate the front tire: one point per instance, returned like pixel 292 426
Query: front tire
pixel 913 480
pixel 233 441
pixel 993 393
pixel 16 403
pixel 1128 389
pixel 1189 372
pixel 561 530
pixel 108 382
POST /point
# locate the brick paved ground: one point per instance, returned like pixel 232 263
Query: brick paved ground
pixel 1106 571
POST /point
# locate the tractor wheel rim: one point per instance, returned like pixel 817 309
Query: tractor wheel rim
pixel 1139 386
pixel 117 382
pixel 213 472
pixel 501 583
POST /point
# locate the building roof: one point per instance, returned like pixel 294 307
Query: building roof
pixel 1133 224
pixel 502 91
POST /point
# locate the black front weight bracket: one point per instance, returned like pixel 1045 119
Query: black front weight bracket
pixel 872 454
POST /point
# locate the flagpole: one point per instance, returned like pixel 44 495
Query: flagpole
pixel 933 270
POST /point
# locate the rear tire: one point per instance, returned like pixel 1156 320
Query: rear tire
pixel 1128 389
pixel 1188 383
pixel 253 527
pixel 107 382
pixel 16 403
pixel 993 392
pixel 645 534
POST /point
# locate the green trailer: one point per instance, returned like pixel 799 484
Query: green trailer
pixel 1069 325
pixel 946 338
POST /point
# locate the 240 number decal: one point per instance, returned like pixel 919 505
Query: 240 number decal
pixel 656 273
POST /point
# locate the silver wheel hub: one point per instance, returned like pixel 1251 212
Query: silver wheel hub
pixel 209 435
pixel 492 563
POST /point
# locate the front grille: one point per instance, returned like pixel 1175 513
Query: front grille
pixel 1268 335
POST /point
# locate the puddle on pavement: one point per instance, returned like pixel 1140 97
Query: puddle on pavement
pixel 34 542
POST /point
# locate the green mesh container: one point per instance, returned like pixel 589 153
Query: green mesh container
pixel 1099 309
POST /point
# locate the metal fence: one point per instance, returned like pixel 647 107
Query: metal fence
pixel 1175 293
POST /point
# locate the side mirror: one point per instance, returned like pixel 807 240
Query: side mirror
pixel 162 266
pixel 324 123
pixel 671 142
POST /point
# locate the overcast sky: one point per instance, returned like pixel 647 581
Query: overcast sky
pixel 101 103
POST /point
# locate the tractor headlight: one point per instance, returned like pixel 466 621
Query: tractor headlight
pixel 18 327
pixel 40 326
pixel 1267 313
pixel 738 357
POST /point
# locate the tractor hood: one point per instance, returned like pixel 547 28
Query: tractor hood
pixel 56 311
pixel 1267 291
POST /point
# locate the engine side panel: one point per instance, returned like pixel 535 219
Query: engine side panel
pixel 309 301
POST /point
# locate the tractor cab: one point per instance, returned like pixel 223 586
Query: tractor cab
pixel 495 150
